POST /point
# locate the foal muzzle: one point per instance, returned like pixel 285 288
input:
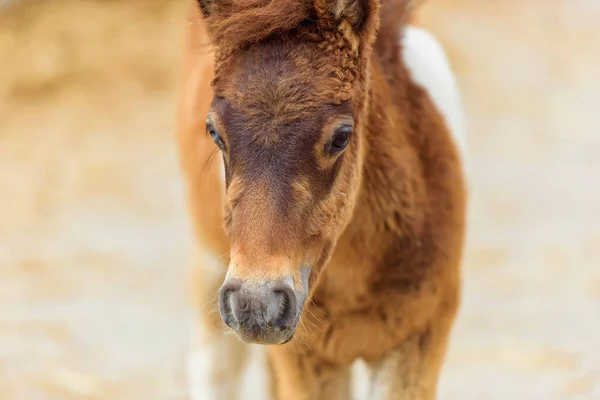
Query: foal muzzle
pixel 265 313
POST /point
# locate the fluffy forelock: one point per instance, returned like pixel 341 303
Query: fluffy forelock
pixel 239 23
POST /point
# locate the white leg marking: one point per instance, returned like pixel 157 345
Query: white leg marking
pixel 361 380
pixel 255 384
pixel 429 67
pixel 380 384
pixel 222 368
pixel 214 364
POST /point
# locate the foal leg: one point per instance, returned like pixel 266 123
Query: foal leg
pixel 214 365
pixel 216 360
pixel 411 371
pixel 297 377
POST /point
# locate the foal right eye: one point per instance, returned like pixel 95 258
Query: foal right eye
pixel 212 131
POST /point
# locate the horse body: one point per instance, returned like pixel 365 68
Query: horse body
pixel 383 284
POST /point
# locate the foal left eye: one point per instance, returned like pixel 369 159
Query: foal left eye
pixel 212 131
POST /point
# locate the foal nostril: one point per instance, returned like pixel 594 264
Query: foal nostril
pixel 228 294
pixel 287 306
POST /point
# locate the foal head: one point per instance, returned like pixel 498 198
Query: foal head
pixel 287 115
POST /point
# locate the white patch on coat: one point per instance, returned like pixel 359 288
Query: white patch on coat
pixel 429 68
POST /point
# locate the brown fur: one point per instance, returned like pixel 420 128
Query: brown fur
pixel 381 225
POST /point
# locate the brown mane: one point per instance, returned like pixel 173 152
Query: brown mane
pixel 241 23
pixel 238 25
pixel 244 22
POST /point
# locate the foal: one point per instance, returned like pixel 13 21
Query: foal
pixel 320 142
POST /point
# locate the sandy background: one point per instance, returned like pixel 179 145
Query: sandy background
pixel 93 232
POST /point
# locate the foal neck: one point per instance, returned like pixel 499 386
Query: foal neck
pixel 393 186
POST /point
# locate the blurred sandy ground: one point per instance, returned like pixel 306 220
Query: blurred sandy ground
pixel 94 238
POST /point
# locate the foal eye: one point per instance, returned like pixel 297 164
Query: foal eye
pixel 340 139
pixel 212 131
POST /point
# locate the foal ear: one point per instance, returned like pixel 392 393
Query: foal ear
pixel 361 16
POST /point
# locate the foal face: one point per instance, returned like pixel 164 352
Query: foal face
pixel 292 156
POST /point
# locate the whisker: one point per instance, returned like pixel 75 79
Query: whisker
pixel 314 324
pixel 212 299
